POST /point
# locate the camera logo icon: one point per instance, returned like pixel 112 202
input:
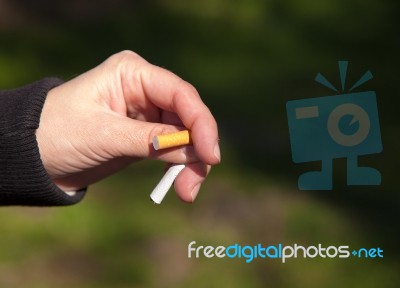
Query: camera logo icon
pixel 339 126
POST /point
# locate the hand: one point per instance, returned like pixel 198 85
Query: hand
pixel 104 119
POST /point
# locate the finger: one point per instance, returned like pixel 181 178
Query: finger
pixel 179 155
pixel 188 182
pixel 180 97
pixel 123 136
pixel 171 118
pixel 169 92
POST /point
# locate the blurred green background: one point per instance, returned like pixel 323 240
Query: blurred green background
pixel 246 58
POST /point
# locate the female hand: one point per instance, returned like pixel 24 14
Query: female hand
pixel 104 119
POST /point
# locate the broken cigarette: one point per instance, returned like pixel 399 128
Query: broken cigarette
pixel 162 142
pixel 171 140
pixel 165 183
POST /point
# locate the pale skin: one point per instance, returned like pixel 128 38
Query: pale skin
pixel 105 119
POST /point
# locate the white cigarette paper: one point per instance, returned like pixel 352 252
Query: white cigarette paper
pixel 165 183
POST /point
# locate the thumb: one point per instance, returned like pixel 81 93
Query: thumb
pixel 133 138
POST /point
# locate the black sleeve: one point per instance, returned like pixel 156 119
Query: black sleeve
pixel 23 178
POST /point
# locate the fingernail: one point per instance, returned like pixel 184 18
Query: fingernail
pixel 195 191
pixel 217 152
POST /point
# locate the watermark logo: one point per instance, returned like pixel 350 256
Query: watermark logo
pixel 339 126
pixel 281 252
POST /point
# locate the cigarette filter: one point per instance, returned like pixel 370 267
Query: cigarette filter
pixel 165 183
pixel 171 140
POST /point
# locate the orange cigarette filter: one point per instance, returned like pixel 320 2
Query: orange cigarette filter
pixel 171 140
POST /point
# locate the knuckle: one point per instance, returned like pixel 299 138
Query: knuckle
pixel 122 58
pixel 126 55
pixel 189 89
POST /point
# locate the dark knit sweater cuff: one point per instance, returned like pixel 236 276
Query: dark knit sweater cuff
pixel 23 178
